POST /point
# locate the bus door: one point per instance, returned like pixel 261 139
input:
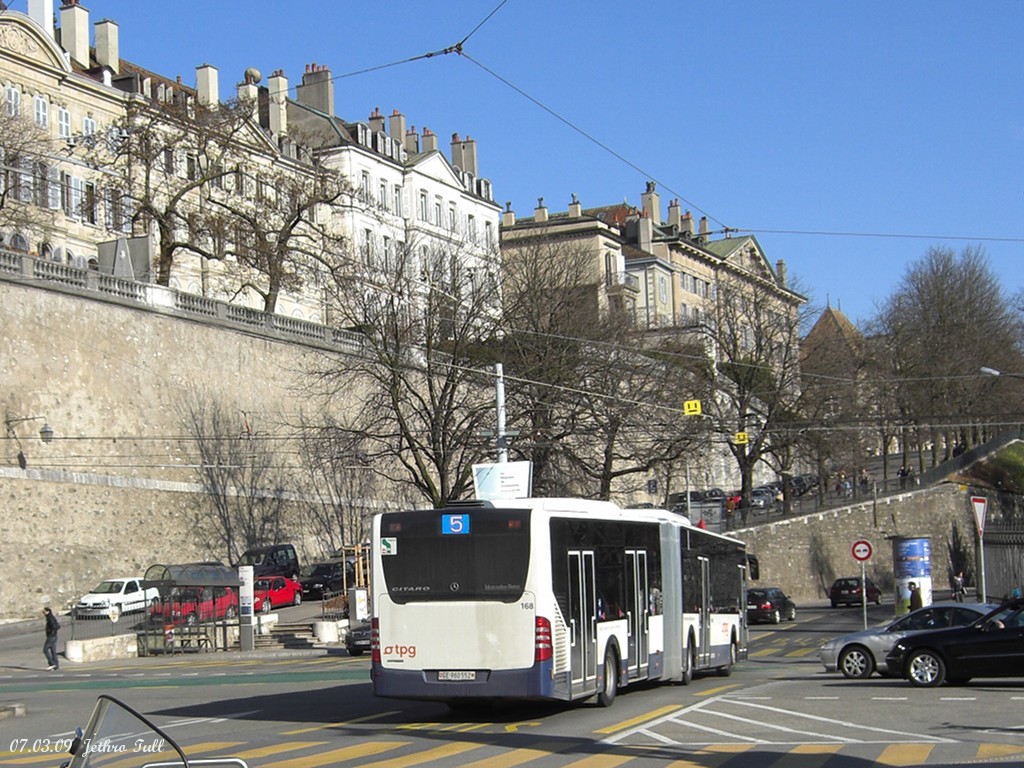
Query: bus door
pixel 704 633
pixel 582 621
pixel 636 611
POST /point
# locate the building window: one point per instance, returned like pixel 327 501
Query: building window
pixel 397 207
pixel 382 195
pixel 423 206
pixel 471 228
pixel 13 101
pixel 169 161
pixel 489 232
pixel 452 218
pixel 41 112
pixel 662 289
pixel 438 220
pixel 191 167
pixel 88 126
pixel 366 187
pixel 64 122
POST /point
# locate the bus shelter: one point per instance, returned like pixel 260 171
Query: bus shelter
pixel 196 609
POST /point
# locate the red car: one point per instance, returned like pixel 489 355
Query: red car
pixel 195 605
pixel 847 591
pixel 269 592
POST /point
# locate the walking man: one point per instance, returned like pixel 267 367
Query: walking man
pixel 50 646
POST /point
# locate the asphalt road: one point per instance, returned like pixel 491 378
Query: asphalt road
pixel 316 708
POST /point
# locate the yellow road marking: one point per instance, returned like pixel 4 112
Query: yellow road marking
pixel 802 652
pixel 276 749
pixel 637 720
pixel 719 689
pixel 516 756
pixel 998 750
pixel 905 754
pixel 338 755
pixel 437 753
pixel 340 724
pixel 600 761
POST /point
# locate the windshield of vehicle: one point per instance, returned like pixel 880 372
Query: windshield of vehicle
pixel 1009 617
pixel 262 584
pixel 455 554
pixel 108 587
pixel 253 558
pixel 119 736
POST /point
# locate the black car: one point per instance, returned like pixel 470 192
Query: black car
pixel 333 575
pixel 992 646
pixel 769 604
pixel 272 560
pixel 358 638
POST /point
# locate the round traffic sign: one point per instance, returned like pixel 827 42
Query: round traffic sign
pixel 861 550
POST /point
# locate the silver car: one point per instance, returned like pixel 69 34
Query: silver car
pixel 858 654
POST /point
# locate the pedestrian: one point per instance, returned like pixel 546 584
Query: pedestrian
pixel 50 645
pixel 959 590
pixel 865 481
pixel 902 475
pixel 915 596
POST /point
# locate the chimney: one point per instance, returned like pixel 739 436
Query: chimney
pixel 412 141
pixel 575 209
pixel 703 231
pixel 645 232
pixel 651 203
pixel 107 54
pixel 508 218
pixel 74 32
pixel 317 89
pixel 674 214
pixel 376 121
pixel 457 152
pixel 278 87
pixel 540 213
pixel 396 126
pixel 780 270
pixel 207 86
pixel 686 224
pixel 41 12
pixel 248 91
pixel 429 140
pixel 469 156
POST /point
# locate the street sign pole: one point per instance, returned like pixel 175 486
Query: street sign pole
pixel 862 551
pixel 980 504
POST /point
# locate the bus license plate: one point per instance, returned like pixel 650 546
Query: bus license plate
pixel 456 674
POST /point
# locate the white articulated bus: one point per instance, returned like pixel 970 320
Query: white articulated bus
pixel 560 599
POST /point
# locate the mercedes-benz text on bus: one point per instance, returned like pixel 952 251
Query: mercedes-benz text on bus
pixel 560 599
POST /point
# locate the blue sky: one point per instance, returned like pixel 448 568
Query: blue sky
pixel 876 118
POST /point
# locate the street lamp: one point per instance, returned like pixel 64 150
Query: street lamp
pixel 45 433
pixel 986 371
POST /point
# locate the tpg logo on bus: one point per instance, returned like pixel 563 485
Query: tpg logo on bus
pixel 401 651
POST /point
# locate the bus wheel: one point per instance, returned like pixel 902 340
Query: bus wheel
pixel 727 669
pixel 689 662
pixel 606 696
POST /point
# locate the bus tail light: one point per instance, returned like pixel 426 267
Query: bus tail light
pixel 542 650
pixel 374 639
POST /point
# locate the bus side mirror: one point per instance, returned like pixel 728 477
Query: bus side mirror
pixel 753 568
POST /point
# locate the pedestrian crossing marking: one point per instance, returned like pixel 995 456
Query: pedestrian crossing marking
pixel 637 720
pixel 600 761
pixel 340 724
pixel 276 749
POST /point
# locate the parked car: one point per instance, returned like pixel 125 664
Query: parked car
pixel 358 638
pixel 195 605
pixel 125 593
pixel 272 560
pixel 270 592
pixel 762 498
pixel 769 604
pixel 332 575
pixel 847 591
pixel 991 646
pixel 859 654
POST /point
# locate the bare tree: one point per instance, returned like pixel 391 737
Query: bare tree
pixel 752 334
pixel 29 176
pixel 165 154
pixel 426 309
pixel 948 318
pixel 239 469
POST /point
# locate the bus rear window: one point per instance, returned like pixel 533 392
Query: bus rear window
pixel 455 554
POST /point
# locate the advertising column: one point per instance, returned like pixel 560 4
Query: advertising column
pixel 912 564
pixel 246 593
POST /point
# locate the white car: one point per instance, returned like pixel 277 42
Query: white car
pixel 125 594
